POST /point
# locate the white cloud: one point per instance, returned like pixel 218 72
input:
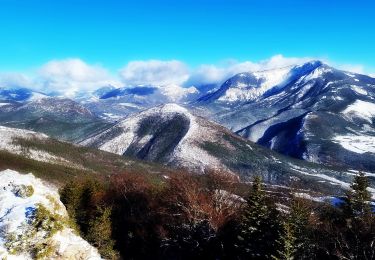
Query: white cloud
pixel 14 80
pixel 356 68
pixel 74 69
pixel 206 74
pixel 154 72
pixel 351 67
pixel 70 76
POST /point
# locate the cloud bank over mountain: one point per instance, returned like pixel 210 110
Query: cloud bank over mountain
pixel 73 75
pixel 154 72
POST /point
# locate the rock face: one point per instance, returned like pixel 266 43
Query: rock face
pixel 33 222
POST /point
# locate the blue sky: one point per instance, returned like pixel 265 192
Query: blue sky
pixel 113 32
pixel 72 45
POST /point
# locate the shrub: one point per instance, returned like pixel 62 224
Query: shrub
pixel 36 235
pixel 23 191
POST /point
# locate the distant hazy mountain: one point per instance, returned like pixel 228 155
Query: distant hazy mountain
pixel 116 103
pixel 19 94
pixel 58 117
pixel 311 111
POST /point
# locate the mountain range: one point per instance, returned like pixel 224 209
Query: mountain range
pixel 312 112
pixel 309 123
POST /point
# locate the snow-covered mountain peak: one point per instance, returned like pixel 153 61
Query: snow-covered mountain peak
pixel 163 111
pixel 249 86
pixel 175 93
pixel 312 113
pixel 170 108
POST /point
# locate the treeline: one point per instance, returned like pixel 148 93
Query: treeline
pixel 182 216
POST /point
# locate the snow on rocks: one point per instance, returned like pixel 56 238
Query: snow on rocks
pixel 21 196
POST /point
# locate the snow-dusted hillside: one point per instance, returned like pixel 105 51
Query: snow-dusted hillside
pixel 8 142
pixel 24 200
pixel 171 135
pixel 58 117
pixel 19 94
pixel 311 111
pixel 167 133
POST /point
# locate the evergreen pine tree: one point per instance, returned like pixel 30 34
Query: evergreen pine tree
pixel 258 228
pixel 357 200
pixel 294 241
pixel 99 233
pixel 359 230
pixel 286 243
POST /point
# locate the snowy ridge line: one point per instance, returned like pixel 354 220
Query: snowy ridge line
pixel 7 144
pixel 187 153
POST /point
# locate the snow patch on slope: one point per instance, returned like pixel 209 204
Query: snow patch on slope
pixel 15 217
pixel 360 109
pixel 356 143
pixel 359 90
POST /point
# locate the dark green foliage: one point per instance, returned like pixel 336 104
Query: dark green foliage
pixel 348 232
pixel 286 243
pixel 135 216
pixel 294 240
pixel 85 205
pixel 99 233
pixel 357 200
pixel 48 171
pixel 259 227
pixel 82 162
pixel 359 221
